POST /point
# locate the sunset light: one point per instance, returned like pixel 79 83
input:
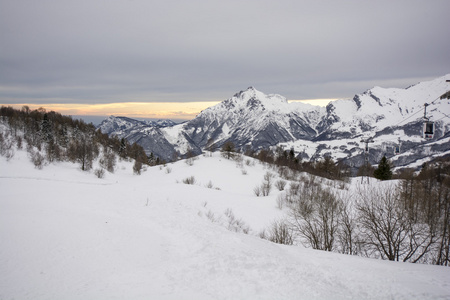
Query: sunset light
pixel 151 110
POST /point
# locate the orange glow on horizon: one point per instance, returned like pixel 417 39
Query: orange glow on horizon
pixel 153 110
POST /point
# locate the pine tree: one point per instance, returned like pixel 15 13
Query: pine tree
pixel 46 129
pixel 228 149
pixel 383 172
pixel 123 148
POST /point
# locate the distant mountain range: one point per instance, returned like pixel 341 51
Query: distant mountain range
pixel 391 117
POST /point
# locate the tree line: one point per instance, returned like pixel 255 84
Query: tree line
pixel 49 136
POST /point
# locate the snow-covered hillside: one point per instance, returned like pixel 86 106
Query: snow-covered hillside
pixel 66 234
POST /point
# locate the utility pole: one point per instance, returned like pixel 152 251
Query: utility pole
pixel 366 158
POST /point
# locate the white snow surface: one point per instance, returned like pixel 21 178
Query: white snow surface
pixel 65 234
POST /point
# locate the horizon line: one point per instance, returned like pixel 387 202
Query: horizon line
pixel 147 110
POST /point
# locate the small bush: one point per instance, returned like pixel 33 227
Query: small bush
pixel 257 191
pixel 294 188
pixel 137 167
pixel 189 161
pixel 189 180
pixel 100 173
pixel 234 224
pixel 209 185
pixel 38 160
pixel 280 233
pixel 281 199
pixel 210 215
pixel 108 161
pixel 265 189
pixel 280 184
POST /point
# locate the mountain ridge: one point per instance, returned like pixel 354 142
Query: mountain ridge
pixel 252 119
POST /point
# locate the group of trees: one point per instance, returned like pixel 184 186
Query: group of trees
pixel 326 167
pixel 50 136
pixel 405 220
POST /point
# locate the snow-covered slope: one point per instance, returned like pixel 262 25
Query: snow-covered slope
pixel 66 234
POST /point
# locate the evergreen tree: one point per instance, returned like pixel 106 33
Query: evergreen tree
pixel 228 149
pixel 123 148
pixel 46 129
pixel 383 172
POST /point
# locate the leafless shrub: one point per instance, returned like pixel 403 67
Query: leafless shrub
pixel 257 191
pixel 283 171
pixel 281 233
pixel 280 184
pixel 108 160
pixel 37 159
pixel 100 173
pixel 189 161
pixel 137 167
pixel 266 186
pixel 9 154
pixel 235 224
pixel 281 199
pixel 239 160
pixel 294 188
pixel 189 180
pixel 209 185
pixel 244 172
pixel 210 215
pixel 263 234
pixel 168 170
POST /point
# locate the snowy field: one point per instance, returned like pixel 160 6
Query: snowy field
pixel 66 234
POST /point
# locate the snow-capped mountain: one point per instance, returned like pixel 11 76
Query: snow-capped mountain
pixel 122 125
pixel 391 117
pixel 253 119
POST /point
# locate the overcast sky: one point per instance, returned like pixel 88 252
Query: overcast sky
pixel 76 51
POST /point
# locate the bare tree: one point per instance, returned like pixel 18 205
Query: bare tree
pixel 382 221
pixel 315 217
pixel 347 234
pixel 82 150
pixel 388 229
pixel 281 233
pixel 108 160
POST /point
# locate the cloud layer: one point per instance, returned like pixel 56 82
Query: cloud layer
pixel 101 51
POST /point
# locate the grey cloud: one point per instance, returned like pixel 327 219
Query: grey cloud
pixel 102 51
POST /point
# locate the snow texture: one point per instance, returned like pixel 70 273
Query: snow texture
pixel 66 234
